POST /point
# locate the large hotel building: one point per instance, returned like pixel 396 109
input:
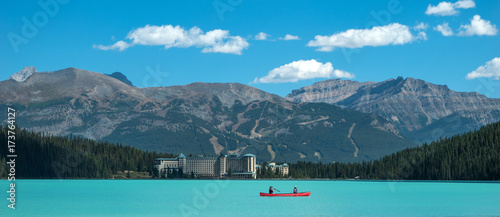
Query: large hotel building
pixel 222 166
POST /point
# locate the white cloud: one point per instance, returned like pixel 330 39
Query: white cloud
pixel 216 41
pixel 120 45
pixel 234 45
pixel 448 8
pixel 302 70
pixel 325 49
pixel 421 27
pixel 444 29
pixel 465 4
pixel 442 9
pixel 422 36
pixel 490 70
pixel 392 34
pixel 262 36
pixel 291 37
pixel 478 26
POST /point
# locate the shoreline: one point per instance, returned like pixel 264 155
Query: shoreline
pixel 334 180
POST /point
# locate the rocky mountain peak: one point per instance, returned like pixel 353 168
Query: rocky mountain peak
pixel 420 86
pixel 411 104
pixel 227 93
pixel 330 91
pixel 24 74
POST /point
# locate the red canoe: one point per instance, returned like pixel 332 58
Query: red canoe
pixel 301 194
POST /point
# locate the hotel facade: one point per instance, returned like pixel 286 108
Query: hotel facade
pixel 283 169
pixel 223 166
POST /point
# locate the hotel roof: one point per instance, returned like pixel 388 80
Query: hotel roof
pixel 166 159
pixel 234 155
pixel 203 158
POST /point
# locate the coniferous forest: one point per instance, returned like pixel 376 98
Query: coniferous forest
pixel 46 157
pixel 470 156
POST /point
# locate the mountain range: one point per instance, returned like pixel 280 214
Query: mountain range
pixel 199 118
pixel 334 120
pixel 420 110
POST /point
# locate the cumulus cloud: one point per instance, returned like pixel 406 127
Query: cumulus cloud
pixel 234 46
pixel 422 36
pixel 392 34
pixel 120 45
pixel 215 41
pixel 490 70
pixel 302 70
pixel 448 8
pixel 465 4
pixel 262 36
pixel 478 26
pixel 444 29
pixel 421 27
pixel 291 37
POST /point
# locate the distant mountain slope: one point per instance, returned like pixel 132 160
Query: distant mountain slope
pixel 198 118
pixel 70 82
pixel 413 105
pixel 470 156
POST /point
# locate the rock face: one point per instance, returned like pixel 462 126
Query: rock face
pixel 199 118
pixel 329 91
pixel 24 74
pixel 413 105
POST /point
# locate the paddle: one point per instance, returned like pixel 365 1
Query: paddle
pixel 275 189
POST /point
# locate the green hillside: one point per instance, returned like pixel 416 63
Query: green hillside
pixel 315 132
pixel 470 156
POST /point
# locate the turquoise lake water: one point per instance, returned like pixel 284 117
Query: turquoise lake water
pixel 241 198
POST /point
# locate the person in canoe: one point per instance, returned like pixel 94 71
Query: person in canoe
pixel 271 189
pixel 295 190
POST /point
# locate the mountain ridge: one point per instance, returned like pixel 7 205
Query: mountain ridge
pixel 411 104
pixel 198 118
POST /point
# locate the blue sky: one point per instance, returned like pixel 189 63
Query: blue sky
pixel 166 43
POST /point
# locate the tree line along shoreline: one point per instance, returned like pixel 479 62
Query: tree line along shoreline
pixel 474 156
